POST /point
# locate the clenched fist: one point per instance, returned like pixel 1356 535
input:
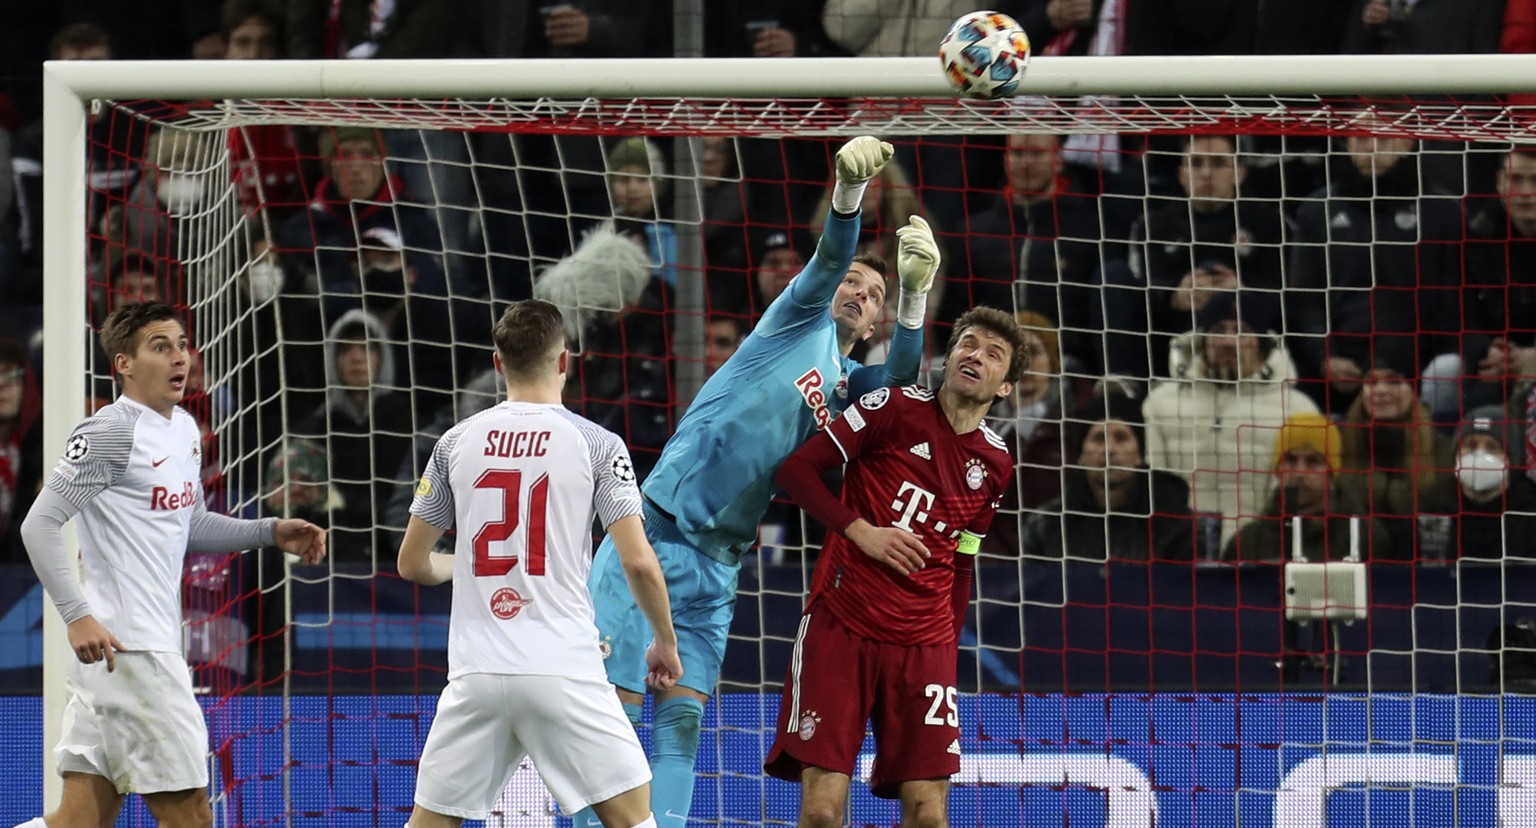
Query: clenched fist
pixel 862 158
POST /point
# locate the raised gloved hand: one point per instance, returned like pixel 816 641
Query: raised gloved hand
pixel 858 161
pixel 862 158
pixel 917 255
pixel 917 261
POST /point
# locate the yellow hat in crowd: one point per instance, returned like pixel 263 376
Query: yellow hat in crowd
pixel 1311 431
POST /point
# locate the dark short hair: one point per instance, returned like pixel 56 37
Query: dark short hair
pixel 133 263
pixel 1526 152
pixel 234 13
pixel 78 36
pixel 528 331
pixel 873 262
pixel 998 322
pixel 120 333
pixel 1189 142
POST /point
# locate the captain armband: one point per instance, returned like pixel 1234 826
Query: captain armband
pixel 970 543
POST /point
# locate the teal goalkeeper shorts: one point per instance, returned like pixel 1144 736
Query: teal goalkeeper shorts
pixel 703 595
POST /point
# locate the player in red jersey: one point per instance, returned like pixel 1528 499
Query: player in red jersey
pixel 879 637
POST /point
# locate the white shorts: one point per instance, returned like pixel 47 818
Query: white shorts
pixel 585 749
pixel 138 726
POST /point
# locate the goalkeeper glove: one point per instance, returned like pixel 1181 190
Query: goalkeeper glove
pixel 858 161
pixel 917 261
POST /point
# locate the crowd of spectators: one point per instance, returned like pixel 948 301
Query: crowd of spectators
pixel 1232 331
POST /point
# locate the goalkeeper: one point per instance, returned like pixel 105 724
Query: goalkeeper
pixel 714 480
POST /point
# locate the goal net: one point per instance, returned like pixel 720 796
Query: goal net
pixel 1264 289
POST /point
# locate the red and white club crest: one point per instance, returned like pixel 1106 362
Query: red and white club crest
pixel 975 473
pixel 808 725
pixel 506 603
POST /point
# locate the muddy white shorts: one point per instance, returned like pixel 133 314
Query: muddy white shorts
pixel 574 729
pixel 138 726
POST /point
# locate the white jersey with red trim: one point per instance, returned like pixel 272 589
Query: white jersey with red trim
pixel 136 477
pixel 521 483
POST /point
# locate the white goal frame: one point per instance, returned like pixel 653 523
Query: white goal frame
pixel 70 88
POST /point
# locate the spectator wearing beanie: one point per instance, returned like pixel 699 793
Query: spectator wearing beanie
pixel 1392 449
pixel 1496 502
pixel 1112 507
pixel 1307 457
pixel 636 184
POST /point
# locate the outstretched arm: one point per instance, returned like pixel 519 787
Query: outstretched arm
pixel 917 262
pixel 213 532
pixel 858 161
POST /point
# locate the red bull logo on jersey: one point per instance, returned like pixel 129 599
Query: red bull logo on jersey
pixel 163 499
pixel 506 603
pixel 809 384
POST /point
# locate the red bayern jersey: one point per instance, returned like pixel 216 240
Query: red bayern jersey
pixel 906 467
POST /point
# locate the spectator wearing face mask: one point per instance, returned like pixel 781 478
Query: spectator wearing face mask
pixel 1496 517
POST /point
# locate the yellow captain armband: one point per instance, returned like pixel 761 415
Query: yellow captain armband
pixel 970 544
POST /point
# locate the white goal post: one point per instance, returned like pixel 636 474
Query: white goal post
pixel 1204 84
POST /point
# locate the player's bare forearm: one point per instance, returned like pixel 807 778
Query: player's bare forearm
pixel 416 561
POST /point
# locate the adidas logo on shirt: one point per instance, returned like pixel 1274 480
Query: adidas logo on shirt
pixel 954 747
pixel 921 450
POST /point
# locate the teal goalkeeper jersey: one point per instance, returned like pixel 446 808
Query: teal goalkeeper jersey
pixel 786 381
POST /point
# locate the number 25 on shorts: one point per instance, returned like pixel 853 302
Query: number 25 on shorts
pixel 941 696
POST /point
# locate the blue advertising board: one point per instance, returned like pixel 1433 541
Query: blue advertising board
pixel 1169 760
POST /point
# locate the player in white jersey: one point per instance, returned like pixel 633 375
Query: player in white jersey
pixel 132 474
pixel 523 482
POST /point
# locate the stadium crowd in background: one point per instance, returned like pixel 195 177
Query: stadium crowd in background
pixel 1220 348
pixel 394 230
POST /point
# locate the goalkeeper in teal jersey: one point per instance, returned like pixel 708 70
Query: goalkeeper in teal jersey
pixel 714 480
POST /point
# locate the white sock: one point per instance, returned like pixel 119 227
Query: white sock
pixel 39 823
pixel 650 822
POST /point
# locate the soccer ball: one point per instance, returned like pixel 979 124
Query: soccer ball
pixel 985 54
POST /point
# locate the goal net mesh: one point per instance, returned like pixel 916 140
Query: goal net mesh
pixel 1225 265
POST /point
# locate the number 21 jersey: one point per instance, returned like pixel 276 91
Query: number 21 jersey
pixel 521 484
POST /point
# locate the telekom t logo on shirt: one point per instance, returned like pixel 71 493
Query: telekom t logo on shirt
pixel 162 499
pixel 914 507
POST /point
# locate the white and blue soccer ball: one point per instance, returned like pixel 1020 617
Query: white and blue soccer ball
pixel 985 54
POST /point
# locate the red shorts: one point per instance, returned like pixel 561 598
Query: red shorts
pixel 838 681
